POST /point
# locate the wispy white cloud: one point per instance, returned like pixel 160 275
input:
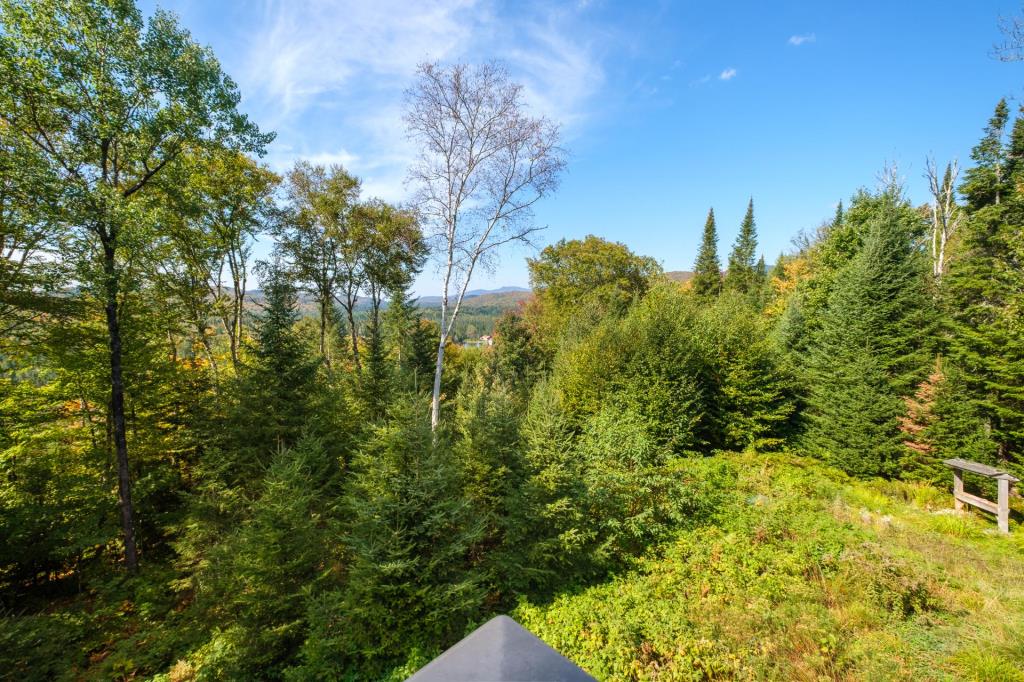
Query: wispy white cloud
pixel 728 74
pixel 328 75
pixel 798 40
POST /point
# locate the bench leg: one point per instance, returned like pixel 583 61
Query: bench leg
pixel 1004 506
pixel 958 489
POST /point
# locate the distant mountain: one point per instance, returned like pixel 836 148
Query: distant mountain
pixel 679 275
pixel 481 297
pixel 502 298
pixel 499 290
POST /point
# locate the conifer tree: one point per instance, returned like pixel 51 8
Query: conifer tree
pixel 260 577
pixel 376 383
pixel 984 291
pixel 741 274
pixel 410 533
pixel 277 388
pixel 985 183
pixel 707 271
pixel 869 352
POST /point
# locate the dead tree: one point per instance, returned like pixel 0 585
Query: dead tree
pixel 946 215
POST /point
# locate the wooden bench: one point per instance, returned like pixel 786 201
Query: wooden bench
pixel 1001 508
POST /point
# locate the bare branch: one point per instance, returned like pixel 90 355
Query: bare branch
pixel 483 164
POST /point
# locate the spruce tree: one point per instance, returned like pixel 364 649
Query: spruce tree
pixel 869 352
pixel 376 383
pixel 707 277
pixel 984 292
pixel 277 389
pixel 985 183
pixel 260 577
pixel 410 578
pixel 741 274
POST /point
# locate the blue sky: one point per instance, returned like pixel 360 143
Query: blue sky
pixel 666 108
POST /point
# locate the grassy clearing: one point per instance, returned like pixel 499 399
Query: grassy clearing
pixel 808 575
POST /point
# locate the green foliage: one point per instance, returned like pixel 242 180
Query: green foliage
pixel 985 183
pixel 411 528
pixel 983 296
pixel 591 275
pixel 870 350
pixel 742 275
pixel 791 583
pixel 707 271
pixel 690 370
pixel 257 581
pixel 300 520
pixel 518 361
pixel 276 388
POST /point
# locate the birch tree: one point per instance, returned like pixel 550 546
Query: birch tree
pixel 945 214
pixel 483 163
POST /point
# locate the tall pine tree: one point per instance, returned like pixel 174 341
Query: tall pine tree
pixel 277 390
pixel 869 352
pixel 984 290
pixel 707 277
pixel 985 183
pixel 741 275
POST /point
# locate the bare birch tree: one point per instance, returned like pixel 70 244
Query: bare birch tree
pixel 946 215
pixel 483 163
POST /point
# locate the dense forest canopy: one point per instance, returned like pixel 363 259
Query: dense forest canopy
pixel 319 483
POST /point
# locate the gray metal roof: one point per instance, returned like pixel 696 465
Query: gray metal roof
pixel 501 650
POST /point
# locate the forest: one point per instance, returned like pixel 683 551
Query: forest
pixel 735 476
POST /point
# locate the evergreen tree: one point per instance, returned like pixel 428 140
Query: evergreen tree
pixel 411 529
pixel 984 294
pixel 707 271
pixel 985 183
pixel 375 385
pixel 869 352
pixel 752 403
pixel 741 274
pixel 276 392
pixel 413 341
pixel 257 581
pixel 517 361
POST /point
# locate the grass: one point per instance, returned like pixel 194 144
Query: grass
pixel 808 575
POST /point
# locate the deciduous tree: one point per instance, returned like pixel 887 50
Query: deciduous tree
pixel 483 164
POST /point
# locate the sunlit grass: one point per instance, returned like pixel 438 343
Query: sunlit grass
pixel 808 575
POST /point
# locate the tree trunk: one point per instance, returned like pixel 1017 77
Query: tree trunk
pixel 350 312
pixel 124 486
pixel 435 402
pixel 325 311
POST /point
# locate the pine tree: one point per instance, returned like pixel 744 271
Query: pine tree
pixel 411 531
pixel 276 392
pixel 983 291
pixel 741 274
pixel 869 352
pixel 985 183
pixel 707 277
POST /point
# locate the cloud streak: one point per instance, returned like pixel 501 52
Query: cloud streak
pixel 798 40
pixel 728 74
pixel 329 75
